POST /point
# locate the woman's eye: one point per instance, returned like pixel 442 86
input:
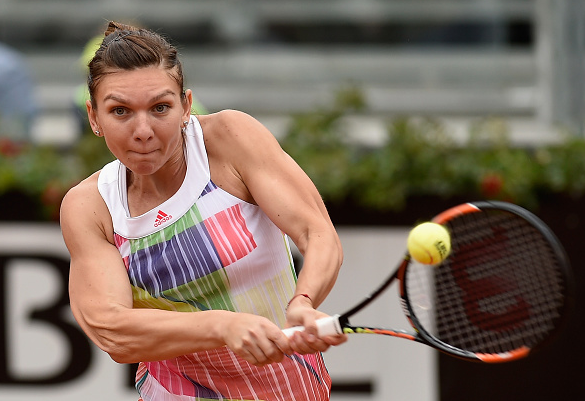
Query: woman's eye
pixel 119 111
pixel 161 108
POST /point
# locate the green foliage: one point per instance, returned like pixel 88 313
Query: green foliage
pixel 419 157
pixel 563 167
pixel 410 162
pixel 45 173
pixel 318 142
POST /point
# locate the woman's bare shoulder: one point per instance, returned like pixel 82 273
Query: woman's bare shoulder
pixel 233 131
pixel 229 122
pixel 85 189
pixel 85 216
pixel 83 203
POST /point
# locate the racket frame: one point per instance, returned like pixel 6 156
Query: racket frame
pixel 338 324
pixel 425 337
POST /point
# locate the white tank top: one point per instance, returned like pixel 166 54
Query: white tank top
pixel 206 249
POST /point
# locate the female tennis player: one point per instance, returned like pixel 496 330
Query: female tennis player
pixel 179 252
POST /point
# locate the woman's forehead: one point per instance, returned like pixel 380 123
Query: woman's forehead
pixel 138 81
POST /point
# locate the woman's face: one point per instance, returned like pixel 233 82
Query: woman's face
pixel 140 114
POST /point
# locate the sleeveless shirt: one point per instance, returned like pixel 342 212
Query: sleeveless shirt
pixel 205 249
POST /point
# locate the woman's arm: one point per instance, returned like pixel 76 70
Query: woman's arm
pixel 101 299
pixel 243 152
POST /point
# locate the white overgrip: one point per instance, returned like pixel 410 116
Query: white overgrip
pixel 327 326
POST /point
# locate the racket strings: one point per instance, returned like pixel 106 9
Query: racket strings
pixel 501 288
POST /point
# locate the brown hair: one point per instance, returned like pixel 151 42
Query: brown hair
pixel 128 48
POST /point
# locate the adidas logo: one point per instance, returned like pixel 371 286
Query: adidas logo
pixel 161 217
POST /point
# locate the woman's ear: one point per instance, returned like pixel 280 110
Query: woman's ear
pixel 187 104
pixel 91 116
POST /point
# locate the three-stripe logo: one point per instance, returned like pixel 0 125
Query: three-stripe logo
pixel 161 217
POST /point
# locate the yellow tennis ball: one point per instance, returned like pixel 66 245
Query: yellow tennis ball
pixel 429 243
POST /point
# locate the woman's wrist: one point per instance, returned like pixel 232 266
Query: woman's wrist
pixel 301 296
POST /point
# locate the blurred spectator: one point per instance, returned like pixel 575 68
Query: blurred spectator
pixel 17 103
pixel 81 92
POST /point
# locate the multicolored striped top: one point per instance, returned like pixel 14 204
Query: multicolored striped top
pixel 205 249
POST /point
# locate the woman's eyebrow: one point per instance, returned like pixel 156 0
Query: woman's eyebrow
pixel 163 94
pixel 119 99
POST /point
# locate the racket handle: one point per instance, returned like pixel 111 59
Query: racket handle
pixel 327 326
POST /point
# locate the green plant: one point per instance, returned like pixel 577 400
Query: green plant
pixel 410 162
pixel 45 173
pixel 418 157
pixel 319 142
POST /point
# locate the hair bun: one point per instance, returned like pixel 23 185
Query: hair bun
pixel 114 26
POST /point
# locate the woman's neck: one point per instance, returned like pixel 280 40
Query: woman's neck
pixel 145 192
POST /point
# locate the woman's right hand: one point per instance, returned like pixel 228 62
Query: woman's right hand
pixel 256 339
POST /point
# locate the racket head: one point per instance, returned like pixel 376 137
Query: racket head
pixel 503 292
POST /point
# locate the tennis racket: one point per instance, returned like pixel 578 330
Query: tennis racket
pixel 502 293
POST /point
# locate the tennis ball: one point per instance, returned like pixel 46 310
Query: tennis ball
pixel 429 243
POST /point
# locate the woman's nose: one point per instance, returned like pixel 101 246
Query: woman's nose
pixel 143 129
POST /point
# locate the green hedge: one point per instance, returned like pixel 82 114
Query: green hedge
pixel 418 157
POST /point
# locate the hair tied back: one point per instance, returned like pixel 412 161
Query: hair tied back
pixel 118 37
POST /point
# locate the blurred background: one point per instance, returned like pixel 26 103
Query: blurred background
pixel 395 108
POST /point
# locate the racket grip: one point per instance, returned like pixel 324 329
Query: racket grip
pixel 327 326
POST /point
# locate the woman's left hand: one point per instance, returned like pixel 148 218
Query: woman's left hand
pixel 300 312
